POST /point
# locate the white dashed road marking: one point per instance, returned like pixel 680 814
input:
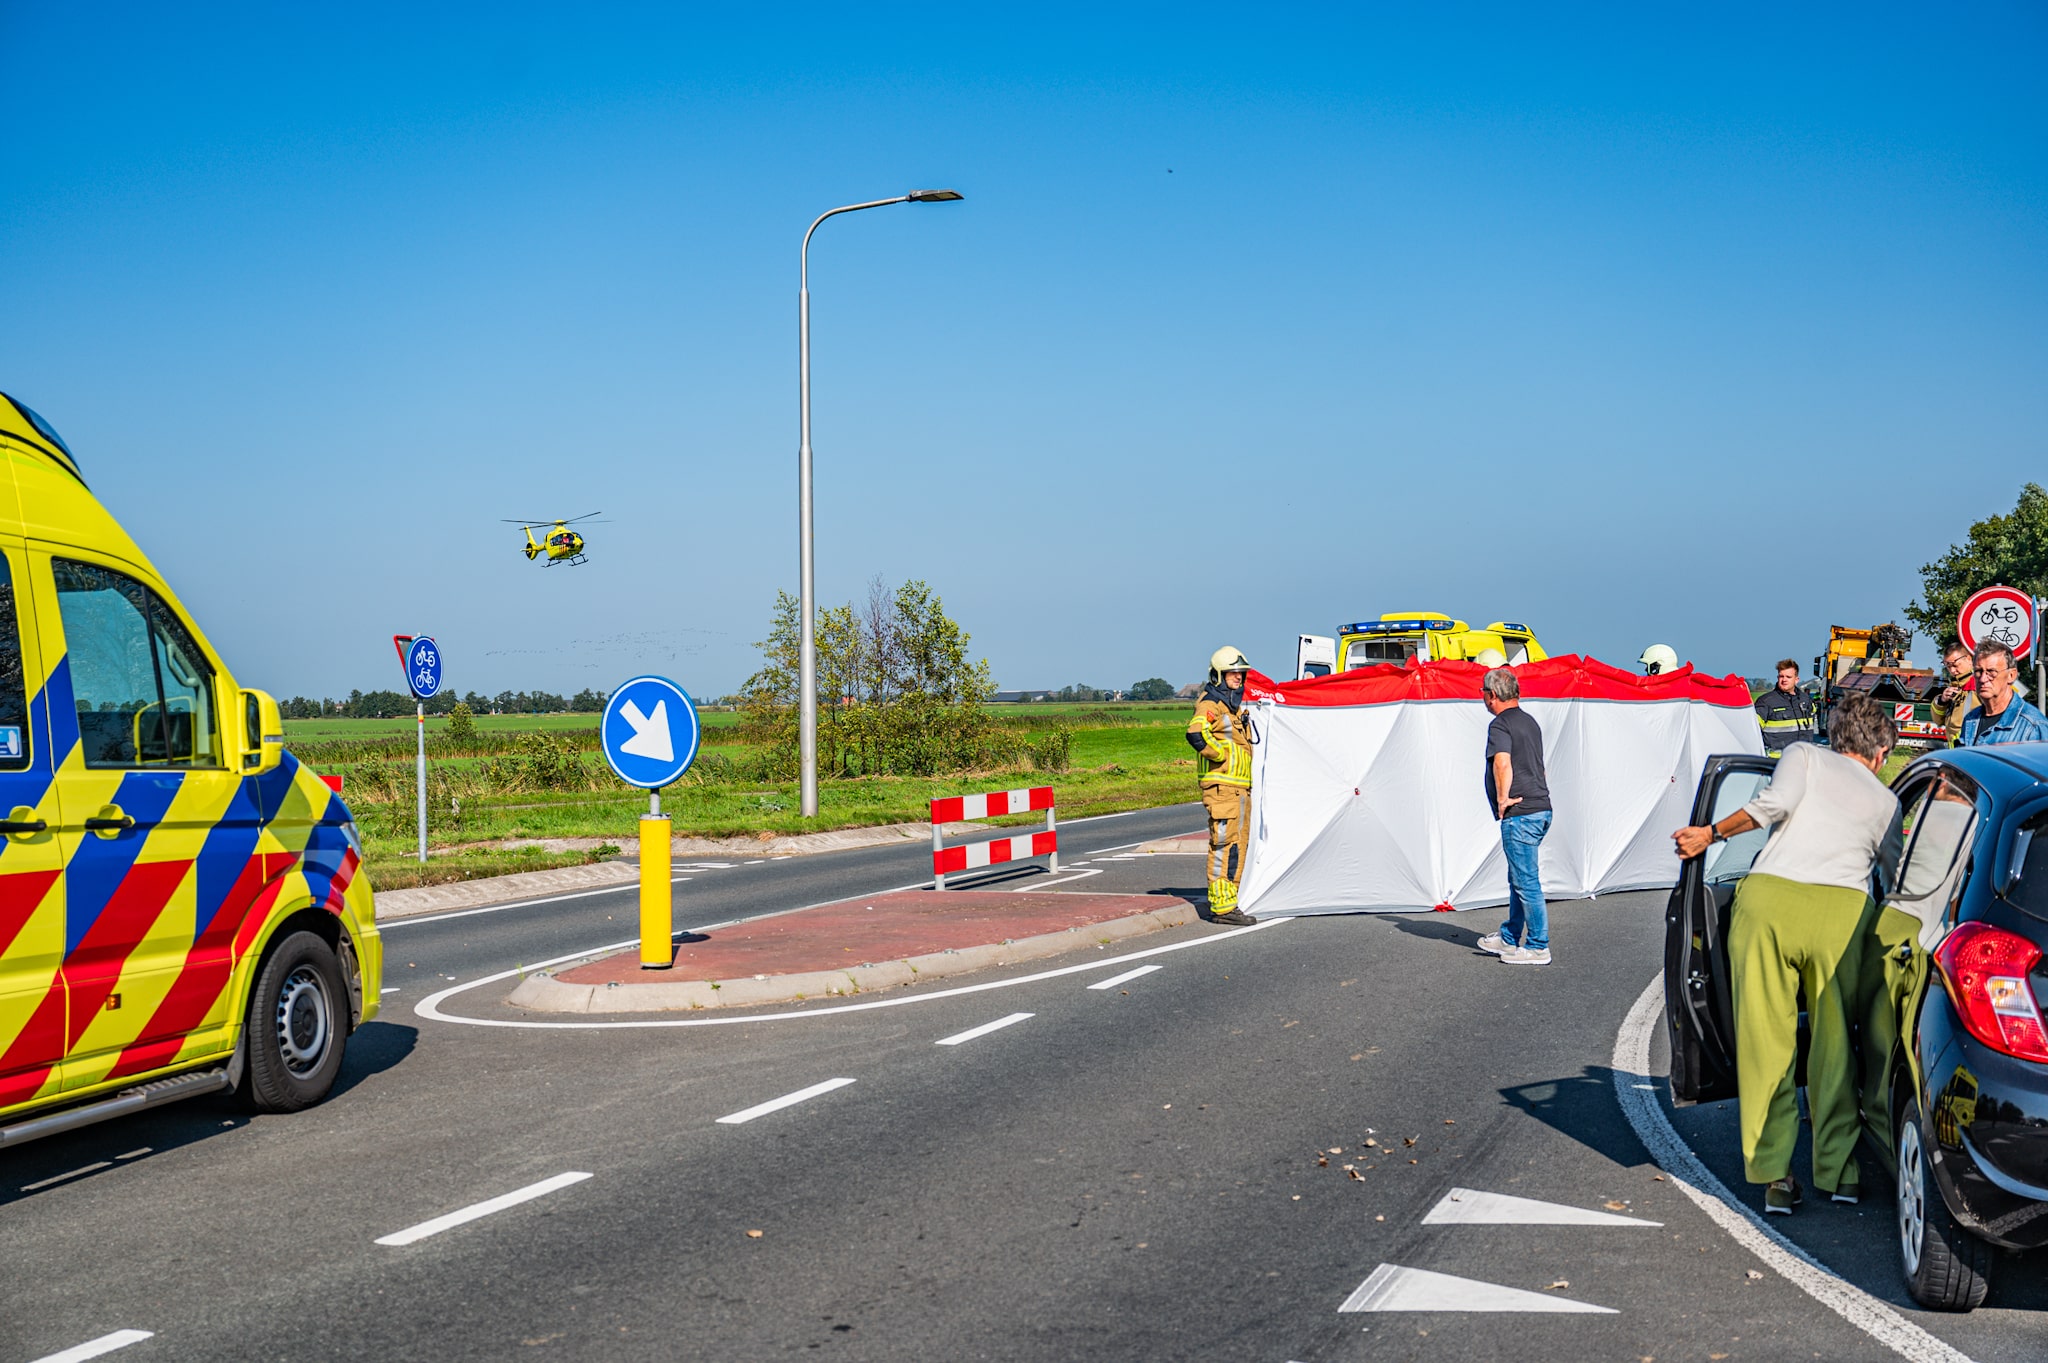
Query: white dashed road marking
pixel 481 1209
pixel 61 1178
pixel 1393 1288
pixel 1114 980
pixel 786 1100
pixel 93 1348
pixel 430 1006
pixel 1469 1207
pixel 983 1030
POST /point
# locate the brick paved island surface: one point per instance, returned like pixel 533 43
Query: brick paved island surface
pixel 853 946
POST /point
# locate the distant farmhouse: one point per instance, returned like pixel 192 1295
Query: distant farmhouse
pixel 1151 689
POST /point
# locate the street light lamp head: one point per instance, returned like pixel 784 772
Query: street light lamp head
pixel 934 196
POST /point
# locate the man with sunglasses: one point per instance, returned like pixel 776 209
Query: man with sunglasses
pixel 2002 714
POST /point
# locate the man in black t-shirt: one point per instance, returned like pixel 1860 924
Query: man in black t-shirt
pixel 1519 795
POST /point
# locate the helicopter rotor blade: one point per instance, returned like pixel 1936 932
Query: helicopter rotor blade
pixel 587 516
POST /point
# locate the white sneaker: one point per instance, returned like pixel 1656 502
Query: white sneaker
pixel 1524 956
pixel 1494 943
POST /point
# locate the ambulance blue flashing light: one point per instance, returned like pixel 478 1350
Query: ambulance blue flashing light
pixel 1396 626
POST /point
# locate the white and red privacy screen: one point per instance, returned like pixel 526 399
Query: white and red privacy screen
pixel 1369 789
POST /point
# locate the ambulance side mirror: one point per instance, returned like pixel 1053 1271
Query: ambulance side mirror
pixel 262 733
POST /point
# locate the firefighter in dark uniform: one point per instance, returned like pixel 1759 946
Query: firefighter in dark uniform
pixel 1221 735
pixel 1785 711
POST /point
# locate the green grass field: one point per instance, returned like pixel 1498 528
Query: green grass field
pixel 330 729
pixel 345 729
pixel 1128 757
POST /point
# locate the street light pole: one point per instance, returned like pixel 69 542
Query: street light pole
pixel 807 643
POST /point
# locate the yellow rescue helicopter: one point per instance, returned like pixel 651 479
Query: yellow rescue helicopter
pixel 561 544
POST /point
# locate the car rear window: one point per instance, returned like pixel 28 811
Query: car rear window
pixel 2029 890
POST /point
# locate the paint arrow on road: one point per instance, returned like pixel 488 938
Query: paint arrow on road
pixel 650 733
pixel 1470 1207
pixel 1393 1288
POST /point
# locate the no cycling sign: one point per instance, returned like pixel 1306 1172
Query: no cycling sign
pixel 2002 615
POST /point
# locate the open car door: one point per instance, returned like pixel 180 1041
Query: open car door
pixel 1314 656
pixel 1699 1014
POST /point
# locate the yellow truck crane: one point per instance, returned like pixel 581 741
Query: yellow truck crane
pixel 1401 635
pixel 1874 662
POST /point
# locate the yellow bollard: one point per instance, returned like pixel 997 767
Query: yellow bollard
pixel 657 909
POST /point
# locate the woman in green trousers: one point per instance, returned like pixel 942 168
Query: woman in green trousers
pixel 1801 920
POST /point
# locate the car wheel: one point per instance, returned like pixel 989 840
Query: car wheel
pixel 297 1026
pixel 1947 1268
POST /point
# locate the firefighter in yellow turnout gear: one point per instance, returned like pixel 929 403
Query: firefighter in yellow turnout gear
pixel 1222 737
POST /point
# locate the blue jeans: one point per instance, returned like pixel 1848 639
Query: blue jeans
pixel 1521 836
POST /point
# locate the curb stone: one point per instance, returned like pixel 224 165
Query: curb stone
pixel 544 993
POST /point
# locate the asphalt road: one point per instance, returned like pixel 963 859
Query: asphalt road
pixel 1151 1170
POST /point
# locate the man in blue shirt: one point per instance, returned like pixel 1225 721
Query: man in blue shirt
pixel 2001 716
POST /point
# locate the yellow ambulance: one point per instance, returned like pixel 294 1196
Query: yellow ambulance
pixel 182 908
pixel 1401 636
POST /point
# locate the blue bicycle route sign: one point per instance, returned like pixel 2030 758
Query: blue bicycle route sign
pixel 650 732
pixel 423 667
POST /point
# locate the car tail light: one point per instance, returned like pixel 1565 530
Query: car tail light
pixel 1985 971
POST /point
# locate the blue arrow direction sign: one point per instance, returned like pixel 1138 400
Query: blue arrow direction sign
pixel 650 732
pixel 423 667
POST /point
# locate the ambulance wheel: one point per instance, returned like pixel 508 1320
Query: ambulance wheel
pixel 297 1025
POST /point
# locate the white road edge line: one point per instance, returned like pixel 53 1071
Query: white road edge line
pixel 983 1030
pixel 430 1006
pixel 386 924
pixel 1033 887
pixel 1631 1068
pixel 1114 980
pixel 93 1348
pixel 481 1209
pixel 786 1100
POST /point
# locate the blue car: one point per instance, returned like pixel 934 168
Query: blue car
pixel 1952 1046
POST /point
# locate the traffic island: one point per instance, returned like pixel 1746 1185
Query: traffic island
pixel 851 947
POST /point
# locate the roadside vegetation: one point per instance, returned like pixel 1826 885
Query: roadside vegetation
pixel 904 717
pixel 520 777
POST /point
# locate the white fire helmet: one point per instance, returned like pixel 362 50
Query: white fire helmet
pixel 1658 658
pixel 1226 659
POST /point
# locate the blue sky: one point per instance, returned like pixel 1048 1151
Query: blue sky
pixel 1637 323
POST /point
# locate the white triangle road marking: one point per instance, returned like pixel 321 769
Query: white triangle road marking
pixel 1470 1207
pixel 650 733
pixel 1393 1288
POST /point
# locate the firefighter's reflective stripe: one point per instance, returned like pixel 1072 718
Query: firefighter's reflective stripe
pixel 1231 763
pixel 1784 719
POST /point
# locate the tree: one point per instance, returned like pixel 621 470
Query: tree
pixel 2012 549
pixel 897 690
pixel 1152 688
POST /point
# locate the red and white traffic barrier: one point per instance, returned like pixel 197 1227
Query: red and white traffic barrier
pixel 970 856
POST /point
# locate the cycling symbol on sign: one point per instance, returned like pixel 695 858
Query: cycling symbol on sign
pixel 2003 615
pixel 422 666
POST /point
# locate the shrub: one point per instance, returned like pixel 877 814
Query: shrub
pixel 462 726
pixel 537 762
pixel 1052 752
